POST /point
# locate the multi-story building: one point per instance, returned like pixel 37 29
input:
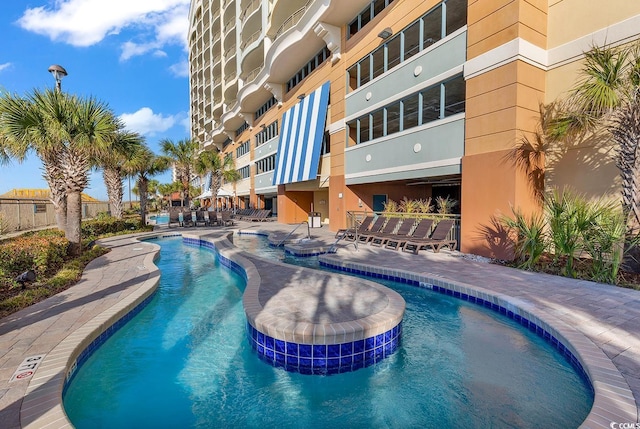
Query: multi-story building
pixel 335 106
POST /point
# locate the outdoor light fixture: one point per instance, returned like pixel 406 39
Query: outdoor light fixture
pixel 386 33
pixel 263 126
pixel 58 73
pixel 301 96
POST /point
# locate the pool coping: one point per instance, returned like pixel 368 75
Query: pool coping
pixel 42 403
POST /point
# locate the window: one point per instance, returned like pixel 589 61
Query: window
pixel 393 118
pixel 447 16
pixel 268 132
pixel 242 149
pixel 366 15
pixel 436 102
pixel 265 165
pixel 242 128
pixel 244 172
pixel 306 70
pixel 265 107
pixel 431 104
pixel 454 96
pixel 410 112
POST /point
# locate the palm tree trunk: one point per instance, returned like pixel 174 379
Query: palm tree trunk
pixel 54 177
pixel 113 181
pixel 74 219
pixel 143 186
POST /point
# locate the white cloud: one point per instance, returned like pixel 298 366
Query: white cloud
pixel 88 22
pixel 5 66
pixel 145 122
pixel 180 69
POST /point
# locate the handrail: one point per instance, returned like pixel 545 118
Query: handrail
pixel 291 21
pixel 252 74
pixel 255 36
pixel 250 9
pixel 294 230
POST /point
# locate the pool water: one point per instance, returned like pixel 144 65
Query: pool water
pixel 184 361
pixel 159 219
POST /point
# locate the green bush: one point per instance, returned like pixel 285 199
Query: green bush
pixel 108 225
pixel 42 251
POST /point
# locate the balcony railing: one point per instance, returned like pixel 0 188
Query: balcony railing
pixel 292 20
pixel 249 9
pixel 252 74
pixel 255 36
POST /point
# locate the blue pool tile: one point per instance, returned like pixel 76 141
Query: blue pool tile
pixel 305 350
pixel 269 354
pixel 358 346
pixel 280 358
pixel 357 365
pixel 305 363
pixel 379 340
pixel 333 350
pixel 292 349
pixel 319 363
pixel 319 351
pixel 268 342
pixel 369 343
pixel 260 339
pixel 293 361
pixel 346 361
pixel 333 363
pixel 346 349
pixel 280 346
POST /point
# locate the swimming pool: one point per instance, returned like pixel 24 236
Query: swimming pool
pixel 159 219
pixel 184 361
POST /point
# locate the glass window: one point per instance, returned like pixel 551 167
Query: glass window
pixel 393 52
pixel 454 96
pixel 353 132
pixel 393 118
pixel 364 129
pixel 377 124
pixel 378 61
pixel 378 6
pixel 411 40
pixel 432 27
pixel 365 71
pixel 410 112
pixel 365 16
pixel 456 15
pixel 431 104
pixel 353 77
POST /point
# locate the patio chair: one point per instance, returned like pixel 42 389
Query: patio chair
pixel 351 232
pixel 226 219
pixel 187 217
pixel 376 238
pixel 381 239
pixel 376 227
pixel 174 218
pixel 422 230
pixel 438 239
pixel 213 218
pixel 200 220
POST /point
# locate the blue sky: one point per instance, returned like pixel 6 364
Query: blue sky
pixel 130 54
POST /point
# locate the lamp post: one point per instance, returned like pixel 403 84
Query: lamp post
pixel 58 73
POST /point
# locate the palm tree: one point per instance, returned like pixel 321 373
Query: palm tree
pixel 112 163
pixel 220 167
pixel 182 155
pixel 607 96
pixel 145 164
pixel 91 132
pixel 26 125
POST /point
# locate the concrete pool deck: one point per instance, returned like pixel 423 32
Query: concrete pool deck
pixel 601 322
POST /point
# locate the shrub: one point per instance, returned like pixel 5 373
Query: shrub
pixel 108 225
pixel 42 251
pixel 530 240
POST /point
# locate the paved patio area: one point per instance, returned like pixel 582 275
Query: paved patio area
pixel 602 322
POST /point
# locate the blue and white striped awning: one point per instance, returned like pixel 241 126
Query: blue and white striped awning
pixel 301 136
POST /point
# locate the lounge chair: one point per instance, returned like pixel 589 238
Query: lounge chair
pixel 213 218
pixel 376 238
pixel 376 227
pixel 259 216
pixel 226 218
pixel 438 239
pixel 422 230
pixel 174 218
pixel 187 217
pixel 405 228
pixel 347 233
pixel 200 220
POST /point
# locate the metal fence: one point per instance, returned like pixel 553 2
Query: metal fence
pixel 26 214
